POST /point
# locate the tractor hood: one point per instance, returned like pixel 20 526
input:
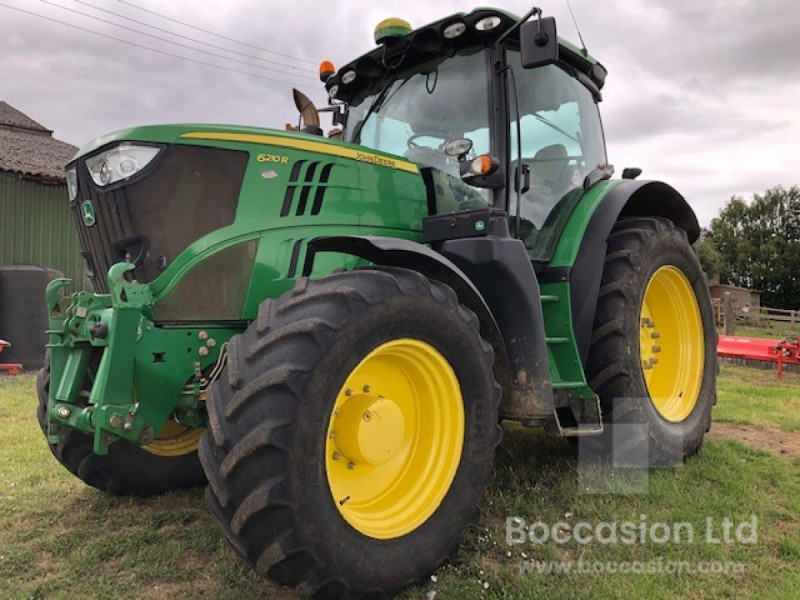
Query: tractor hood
pixel 171 198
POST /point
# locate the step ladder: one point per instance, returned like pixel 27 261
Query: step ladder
pixel 577 406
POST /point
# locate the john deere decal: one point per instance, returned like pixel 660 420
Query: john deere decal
pixel 87 210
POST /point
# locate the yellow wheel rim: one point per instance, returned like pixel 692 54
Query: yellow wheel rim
pixel 671 344
pixel 394 439
pixel 175 440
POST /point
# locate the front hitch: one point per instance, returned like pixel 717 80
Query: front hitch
pixel 84 325
pixel 115 375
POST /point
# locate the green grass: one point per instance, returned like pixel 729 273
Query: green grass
pixel 749 395
pixel 60 539
pixel 778 331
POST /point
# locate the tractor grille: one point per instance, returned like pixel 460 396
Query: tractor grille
pixel 189 192
pixel 97 241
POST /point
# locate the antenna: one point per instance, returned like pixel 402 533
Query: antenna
pixel 578 29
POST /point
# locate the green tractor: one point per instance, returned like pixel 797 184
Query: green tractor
pixel 329 330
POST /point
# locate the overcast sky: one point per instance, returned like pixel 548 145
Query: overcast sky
pixel 703 94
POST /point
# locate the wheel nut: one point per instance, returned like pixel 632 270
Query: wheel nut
pixel 656 349
pixel 348 392
pixel 646 365
pixel 367 389
pixel 367 416
pixel 63 412
pixel 351 465
pixel 655 335
pixel 653 361
pixel 203 351
pixel 336 456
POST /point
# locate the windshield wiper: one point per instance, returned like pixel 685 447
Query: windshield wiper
pixel 376 105
pixel 554 126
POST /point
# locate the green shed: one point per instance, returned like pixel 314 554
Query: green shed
pixel 36 224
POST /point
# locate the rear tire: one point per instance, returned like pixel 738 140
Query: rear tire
pixel 126 470
pixel 268 454
pixel 622 367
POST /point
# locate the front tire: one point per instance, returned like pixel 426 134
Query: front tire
pixel 353 434
pixel 652 358
pixel 127 470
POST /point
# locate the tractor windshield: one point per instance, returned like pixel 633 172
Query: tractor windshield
pixel 416 114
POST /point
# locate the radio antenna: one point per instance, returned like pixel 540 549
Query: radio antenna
pixel 578 29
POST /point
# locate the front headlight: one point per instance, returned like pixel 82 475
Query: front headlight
pixel 119 163
pixel 72 184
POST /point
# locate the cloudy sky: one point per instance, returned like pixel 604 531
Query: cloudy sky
pixel 704 94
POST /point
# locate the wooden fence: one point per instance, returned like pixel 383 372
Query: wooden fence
pixel 758 316
pixel 774 315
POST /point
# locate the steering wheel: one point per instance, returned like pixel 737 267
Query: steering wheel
pixel 412 141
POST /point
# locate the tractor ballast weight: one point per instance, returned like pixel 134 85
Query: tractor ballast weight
pixel 329 330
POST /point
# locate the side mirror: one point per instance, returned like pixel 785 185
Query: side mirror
pixel 538 42
pixel 458 148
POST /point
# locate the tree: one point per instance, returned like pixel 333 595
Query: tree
pixel 710 258
pixel 759 244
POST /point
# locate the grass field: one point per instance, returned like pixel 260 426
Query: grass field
pixel 60 539
pixel 776 331
pixel 768 329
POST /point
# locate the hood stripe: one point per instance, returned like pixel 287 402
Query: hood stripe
pixel 307 145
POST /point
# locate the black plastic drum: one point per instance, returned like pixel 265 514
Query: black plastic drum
pixel 23 315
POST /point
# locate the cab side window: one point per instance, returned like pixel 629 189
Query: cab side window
pixel 562 142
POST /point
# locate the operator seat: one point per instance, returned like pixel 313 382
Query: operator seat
pixel 549 181
pixel 549 168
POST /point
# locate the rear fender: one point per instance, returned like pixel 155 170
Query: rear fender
pixel 624 199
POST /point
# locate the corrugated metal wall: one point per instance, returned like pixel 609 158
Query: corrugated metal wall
pixel 37 228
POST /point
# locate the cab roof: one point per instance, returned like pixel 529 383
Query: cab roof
pixel 429 42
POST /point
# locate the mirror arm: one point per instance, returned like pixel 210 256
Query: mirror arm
pixel 534 11
pixel 339 113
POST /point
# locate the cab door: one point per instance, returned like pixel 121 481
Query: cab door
pixel 562 142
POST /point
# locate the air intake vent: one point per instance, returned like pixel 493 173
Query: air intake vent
pixel 313 184
pixel 298 245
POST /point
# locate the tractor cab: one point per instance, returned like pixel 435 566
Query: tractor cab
pixel 464 81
